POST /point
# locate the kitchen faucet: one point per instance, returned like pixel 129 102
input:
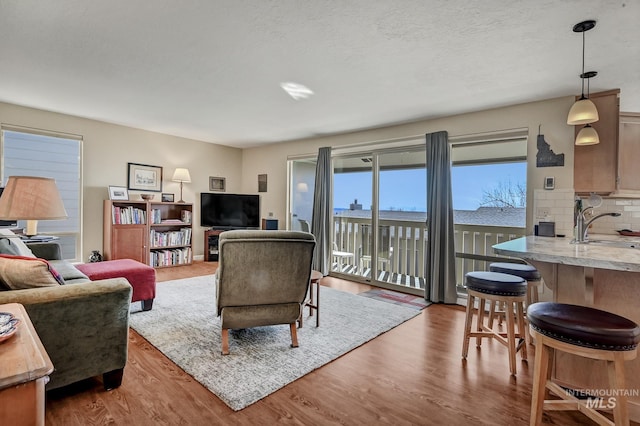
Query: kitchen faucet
pixel 582 227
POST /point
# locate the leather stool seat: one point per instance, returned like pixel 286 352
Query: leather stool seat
pixel 528 272
pixel 496 283
pixel 584 332
pixel 584 326
pixel 493 287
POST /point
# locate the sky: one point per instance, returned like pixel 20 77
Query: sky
pixel 406 189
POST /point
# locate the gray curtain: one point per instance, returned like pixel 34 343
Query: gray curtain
pixel 441 271
pixel 321 219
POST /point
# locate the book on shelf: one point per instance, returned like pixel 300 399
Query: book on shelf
pixel 170 238
pixel 171 222
pixel 171 257
pixel 128 215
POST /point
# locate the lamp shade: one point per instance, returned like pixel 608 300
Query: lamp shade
pixel 31 198
pixel 584 111
pixel 587 136
pixel 181 175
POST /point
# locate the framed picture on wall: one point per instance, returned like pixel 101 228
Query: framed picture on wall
pixel 118 193
pixel 217 184
pixel 262 183
pixel 143 177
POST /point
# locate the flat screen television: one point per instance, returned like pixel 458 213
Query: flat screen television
pixel 229 211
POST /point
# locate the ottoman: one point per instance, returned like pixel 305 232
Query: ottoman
pixel 141 277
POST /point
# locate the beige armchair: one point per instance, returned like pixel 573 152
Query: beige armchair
pixel 262 279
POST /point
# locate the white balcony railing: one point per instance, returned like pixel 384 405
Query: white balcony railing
pixel 403 245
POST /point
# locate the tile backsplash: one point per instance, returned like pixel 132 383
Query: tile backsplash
pixel 554 206
pixel 557 206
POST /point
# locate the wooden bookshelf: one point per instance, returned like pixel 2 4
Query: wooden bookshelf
pixel 155 233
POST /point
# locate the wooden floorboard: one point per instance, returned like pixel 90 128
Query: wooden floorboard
pixel 411 375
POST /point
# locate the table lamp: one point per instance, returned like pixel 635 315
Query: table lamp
pixel 181 175
pixel 31 198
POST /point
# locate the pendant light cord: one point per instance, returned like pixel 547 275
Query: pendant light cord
pixel 582 75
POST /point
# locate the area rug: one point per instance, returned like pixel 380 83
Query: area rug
pixel 397 298
pixel 183 326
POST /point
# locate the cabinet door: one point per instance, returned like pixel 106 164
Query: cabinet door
pixel 595 167
pixel 629 152
pixel 129 242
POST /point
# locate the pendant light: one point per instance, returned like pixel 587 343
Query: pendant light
pixel 584 110
pixel 587 135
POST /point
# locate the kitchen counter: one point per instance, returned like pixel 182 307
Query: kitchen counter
pixel 561 250
pixel 604 275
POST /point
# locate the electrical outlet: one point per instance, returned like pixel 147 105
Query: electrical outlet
pixel 542 212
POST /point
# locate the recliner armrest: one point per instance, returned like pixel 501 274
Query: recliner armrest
pixel 46 250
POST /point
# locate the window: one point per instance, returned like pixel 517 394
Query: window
pixel 489 182
pixel 43 154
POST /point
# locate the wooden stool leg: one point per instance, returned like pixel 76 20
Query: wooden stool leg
pixel 467 325
pixel 480 320
pixel 522 329
pixel 492 313
pixel 540 374
pixel 615 370
pixel 511 338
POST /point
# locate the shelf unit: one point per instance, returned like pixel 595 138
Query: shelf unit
pixel 154 233
pixel 211 239
pixel 170 230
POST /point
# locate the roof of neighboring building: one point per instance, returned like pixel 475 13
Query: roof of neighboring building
pixel 490 216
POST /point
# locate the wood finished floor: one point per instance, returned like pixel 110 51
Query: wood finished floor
pixel 411 375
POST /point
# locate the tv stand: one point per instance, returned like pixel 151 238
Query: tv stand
pixel 211 239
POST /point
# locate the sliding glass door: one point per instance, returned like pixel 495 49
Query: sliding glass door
pixel 352 207
pixel 302 184
pixel 379 218
pixel 401 215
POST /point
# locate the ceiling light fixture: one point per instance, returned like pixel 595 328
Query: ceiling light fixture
pixel 584 110
pixel 587 135
pixel 296 91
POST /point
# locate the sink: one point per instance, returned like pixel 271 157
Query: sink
pixel 614 243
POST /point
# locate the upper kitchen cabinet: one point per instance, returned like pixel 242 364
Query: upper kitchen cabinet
pixel 629 154
pixel 595 167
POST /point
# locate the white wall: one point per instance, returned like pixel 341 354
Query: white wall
pixel 550 114
pixel 107 148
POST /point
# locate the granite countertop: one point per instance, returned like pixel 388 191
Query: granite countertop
pixel 607 253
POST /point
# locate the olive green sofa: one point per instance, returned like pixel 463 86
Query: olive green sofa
pixel 83 324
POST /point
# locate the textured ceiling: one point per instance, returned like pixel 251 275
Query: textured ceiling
pixel 211 70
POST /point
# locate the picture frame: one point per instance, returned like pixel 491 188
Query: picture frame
pixel 549 182
pixel 217 184
pixel 262 183
pixel 167 197
pixel 144 177
pixel 118 193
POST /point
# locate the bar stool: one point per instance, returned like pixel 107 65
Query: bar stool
pixel 525 271
pixel 585 332
pixel 496 287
